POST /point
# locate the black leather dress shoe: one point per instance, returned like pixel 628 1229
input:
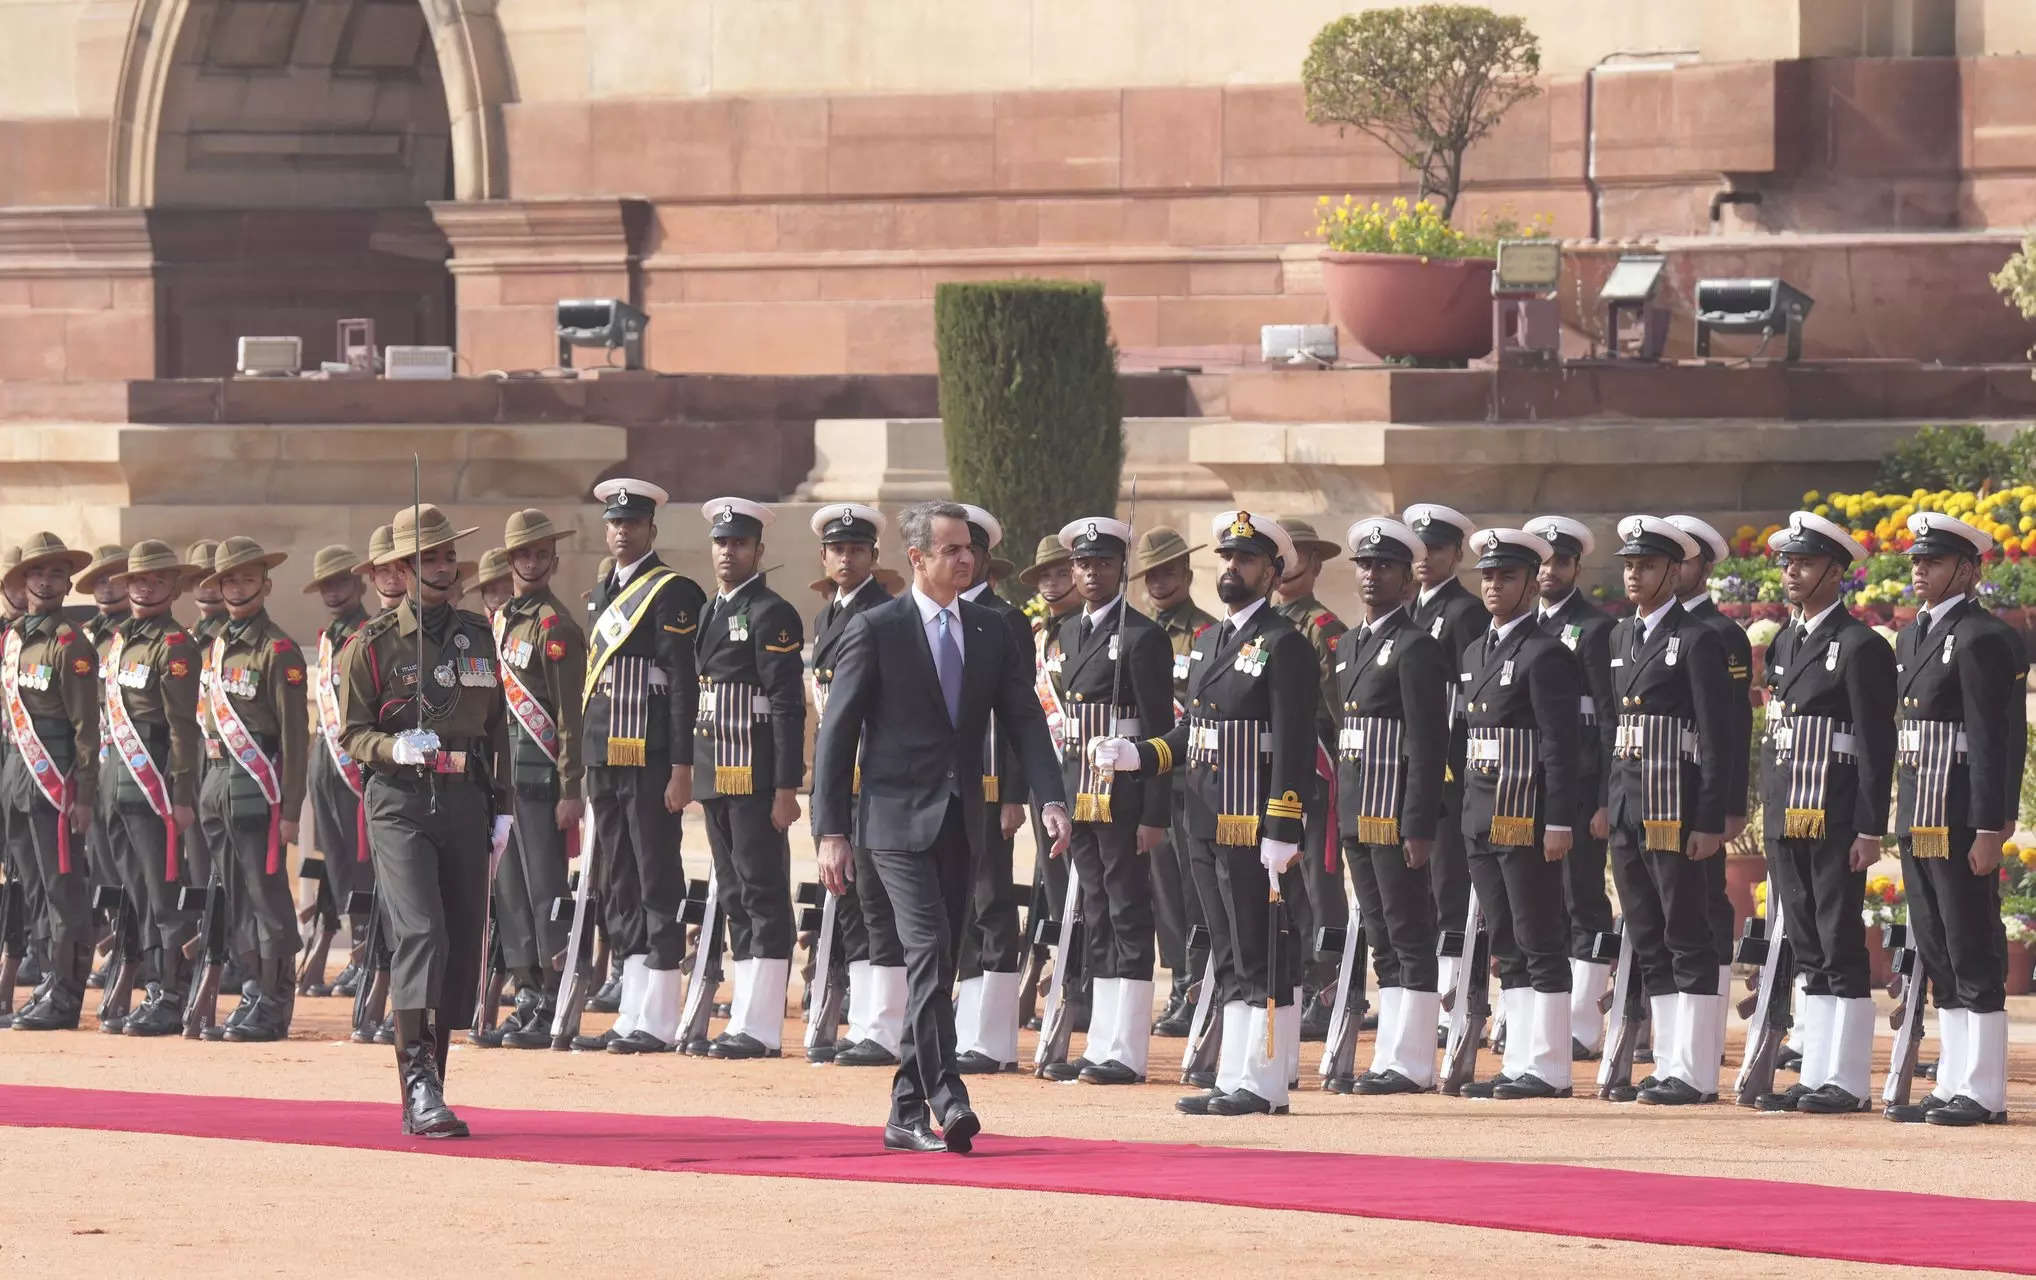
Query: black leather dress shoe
pixel 1788 1060
pixel 1200 1080
pixel 1381 1083
pixel 1111 1072
pixel 959 1130
pixel 866 1053
pixel 1315 1020
pixel 723 1009
pixel 1963 1111
pixel 347 984
pixel 1924 1070
pixel 1577 1052
pixel 638 1042
pixel 1915 1112
pixel 700 1046
pixel 1243 1103
pixel 1789 1099
pixel 1629 1092
pixel 1340 1084
pixel 973 1063
pixel 1527 1085
pixel 741 1048
pixel 1831 1101
pixel 1197 1104
pixel 917 1136
pixel 1062 1072
pixel 1671 1092
pixel 1175 1024
pixel 609 998
pixel 595 1044
pixel 822 1054
pixel 1485 1088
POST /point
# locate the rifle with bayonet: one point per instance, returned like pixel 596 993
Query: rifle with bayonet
pixel 1339 1048
pixel 827 989
pixel 577 966
pixel 1767 1009
pixel 1057 1024
pixel 1205 1029
pixel 123 943
pixel 208 946
pixel 1470 1000
pixel 1623 1004
pixel 371 997
pixel 1908 986
pixel 13 940
pixel 318 917
pixel 703 976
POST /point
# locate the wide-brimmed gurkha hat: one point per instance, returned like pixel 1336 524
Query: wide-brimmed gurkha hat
pixel 1709 539
pixel 379 543
pixel 1940 535
pixel 151 555
pixel 1809 534
pixel 332 562
pixel 199 556
pixel 849 522
pixel 107 562
pixel 1504 548
pixel 1096 536
pixel 529 527
pixel 494 565
pixel 735 517
pixel 1654 536
pixel 629 499
pixel 985 530
pixel 46 548
pixel 238 553
pixel 1160 545
pixel 1240 530
pixel 1382 538
pixel 1306 539
pixel 416 530
pixel 1048 553
pixel 1437 525
pixel 1565 536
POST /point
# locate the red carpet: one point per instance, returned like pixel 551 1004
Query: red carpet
pixel 1897 1228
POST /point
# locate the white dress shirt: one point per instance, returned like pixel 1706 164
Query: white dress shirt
pixel 929 616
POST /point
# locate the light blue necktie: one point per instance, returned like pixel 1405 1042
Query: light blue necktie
pixel 947 663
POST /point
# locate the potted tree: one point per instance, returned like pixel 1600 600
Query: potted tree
pixel 1428 82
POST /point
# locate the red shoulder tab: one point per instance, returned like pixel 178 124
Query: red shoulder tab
pixel 65 635
pixel 1199 630
pixel 285 645
pixel 1325 619
pixel 548 621
pixel 176 637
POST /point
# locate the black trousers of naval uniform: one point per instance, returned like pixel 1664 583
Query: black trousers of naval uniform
pixel 262 915
pixel 66 900
pixel 753 873
pixel 1821 898
pixel 1955 917
pixel 348 869
pixel 989 932
pixel 1718 909
pixel 1116 890
pixel 1233 886
pixel 1324 902
pixel 643 876
pixel 1666 897
pixel 431 867
pixel 1448 866
pixel 1520 894
pixel 1176 907
pixel 139 846
pixel 1590 907
pixel 1397 907
pixel 928 890
pixel 530 877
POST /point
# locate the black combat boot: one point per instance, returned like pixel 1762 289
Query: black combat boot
pixel 250 995
pixel 269 1020
pixel 425 1114
pixel 161 1014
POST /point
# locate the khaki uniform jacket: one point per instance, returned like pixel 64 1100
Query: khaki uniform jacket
pixel 158 684
pixel 547 649
pixel 265 678
pixel 58 656
pixel 378 686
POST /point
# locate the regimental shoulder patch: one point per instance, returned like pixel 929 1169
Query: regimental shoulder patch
pixel 1333 641
pixel 293 675
pixel 81 666
pixel 285 645
pixel 176 637
pixel 179 668
pixel 555 649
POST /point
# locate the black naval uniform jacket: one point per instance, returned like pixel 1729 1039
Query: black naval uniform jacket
pixel 1739 672
pixel 1455 617
pixel 829 626
pixel 1398 672
pixel 1965 671
pixel 1842 671
pixel 1280 691
pixel 1528 680
pixel 1586 631
pixel 1089 676
pixel 1011 785
pixel 665 635
pixel 1680 673
pixel 767 658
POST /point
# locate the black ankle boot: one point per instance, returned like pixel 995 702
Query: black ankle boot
pixel 425 1114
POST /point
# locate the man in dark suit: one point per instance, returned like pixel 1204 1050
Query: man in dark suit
pixel 1452 615
pixel 1827 768
pixel 1119 679
pixel 1586 631
pixel 1519 811
pixel 915 684
pixel 865 932
pixel 1391 684
pixel 1960 686
pixel 1668 802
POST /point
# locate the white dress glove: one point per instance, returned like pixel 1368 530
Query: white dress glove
pixel 414 746
pixel 498 838
pixel 1277 855
pixel 1119 754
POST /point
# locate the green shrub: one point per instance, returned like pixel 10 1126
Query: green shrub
pixel 1029 402
pixel 1959 457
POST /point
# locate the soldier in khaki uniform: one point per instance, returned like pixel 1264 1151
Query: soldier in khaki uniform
pixel 432 731
pixel 211 617
pixel 97 581
pixel 543 651
pixel 254 709
pixel 1161 562
pixel 333 778
pixel 50 673
pixel 492 579
pixel 386 585
pixel 151 685
pixel 1321 868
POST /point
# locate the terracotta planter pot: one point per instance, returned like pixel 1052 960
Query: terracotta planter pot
pixel 1878 960
pixel 1737 610
pixel 1904 615
pixel 2019 961
pixel 1770 611
pixel 1741 875
pixel 1401 307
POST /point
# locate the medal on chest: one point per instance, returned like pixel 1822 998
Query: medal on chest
pixel 443 674
pixel 476 672
pixel 517 653
pixel 1506 673
pixel 1114 638
pixel 36 676
pixel 1250 659
pixel 241 682
pixel 1571 634
pixel 1675 645
pixel 1831 657
pixel 1435 628
pixel 1386 652
pixel 1180 666
pixel 1946 659
pixel 738 627
pixel 133 675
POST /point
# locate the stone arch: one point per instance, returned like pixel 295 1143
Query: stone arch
pixel 472 63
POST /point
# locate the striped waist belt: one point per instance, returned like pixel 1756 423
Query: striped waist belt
pixel 1930 749
pixel 1507 756
pixel 728 715
pixel 655 679
pixel 1083 721
pixel 1236 750
pixel 1649 738
pixel 1660 745
pixel 1805 748
pixel 1373 748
